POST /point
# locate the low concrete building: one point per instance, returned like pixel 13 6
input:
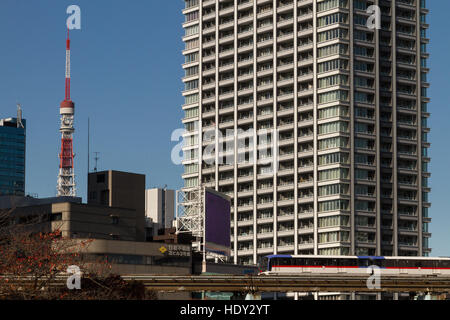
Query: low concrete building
pixel 169 235
pixel 120 190
pixel 74 219
pixel 7 202
pixel 128 258
pixel 139 258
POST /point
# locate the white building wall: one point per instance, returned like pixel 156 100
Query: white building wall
pixel 160 206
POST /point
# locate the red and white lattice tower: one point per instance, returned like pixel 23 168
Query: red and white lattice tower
pixel 66 177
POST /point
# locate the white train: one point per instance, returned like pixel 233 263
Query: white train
pixel 355 265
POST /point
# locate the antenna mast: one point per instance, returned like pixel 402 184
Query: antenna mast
pixel 96 160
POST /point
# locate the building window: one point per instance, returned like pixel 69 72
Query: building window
pixel 115 220
pixel 104 197
pixel 56 216
pixel 101 178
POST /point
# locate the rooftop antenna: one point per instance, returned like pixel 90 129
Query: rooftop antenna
pixel 96 160
pixel 19 116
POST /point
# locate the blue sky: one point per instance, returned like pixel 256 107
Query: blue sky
pixel 126 76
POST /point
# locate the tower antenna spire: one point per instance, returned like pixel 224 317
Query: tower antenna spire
pixel 67 97
pixel 66 176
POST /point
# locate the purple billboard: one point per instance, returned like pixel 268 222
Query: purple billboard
pixel 217 222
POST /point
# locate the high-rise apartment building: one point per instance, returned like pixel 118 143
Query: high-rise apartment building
pixel 342 92
pixel 12 156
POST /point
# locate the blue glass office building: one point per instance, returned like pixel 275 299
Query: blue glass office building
pixel 12 156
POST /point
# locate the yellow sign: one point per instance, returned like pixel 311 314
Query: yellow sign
pixel 163 249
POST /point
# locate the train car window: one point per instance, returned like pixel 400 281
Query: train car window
pixel 363 263
pixel 390 263
pixel 418 263
pixel 269 264
pixel 313 262
pixel 423 264
pixel 436 264
pixel 376 262
pixel 346 262
pixel 396 263
pixel 404 263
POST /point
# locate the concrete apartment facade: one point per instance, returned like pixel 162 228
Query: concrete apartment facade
pixel 347 109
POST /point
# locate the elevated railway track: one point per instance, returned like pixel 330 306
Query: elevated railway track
pixel 292 283
pixel 281 283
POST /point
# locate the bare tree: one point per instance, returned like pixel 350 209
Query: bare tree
pixel 32 265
